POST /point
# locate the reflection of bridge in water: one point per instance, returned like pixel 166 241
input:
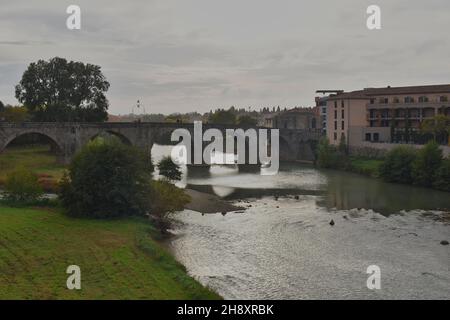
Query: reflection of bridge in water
pixel 68 138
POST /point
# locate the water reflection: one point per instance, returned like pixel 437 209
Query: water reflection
pixel 336 189
pixel 283 247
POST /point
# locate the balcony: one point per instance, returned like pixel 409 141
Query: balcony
pixel 403 105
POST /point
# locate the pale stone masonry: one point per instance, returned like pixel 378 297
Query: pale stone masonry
pixel 384 115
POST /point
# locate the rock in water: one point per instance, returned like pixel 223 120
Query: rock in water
pixel 332 222
pixel 444 243
pixel 297 197
pixel 224 213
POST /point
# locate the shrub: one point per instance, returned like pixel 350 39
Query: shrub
pixel 167 198
pixel 426 164
pixel 107 179
pixel 22 186
pixel 397 166
pixel 325 154
pixel 328 156
pixel 442 177
pixel 168 169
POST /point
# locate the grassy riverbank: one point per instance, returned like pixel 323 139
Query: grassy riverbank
pixel 38 158
pixel 365 166
pixel 119 259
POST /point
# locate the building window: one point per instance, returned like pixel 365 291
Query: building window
pixel 335 125
pixel 384 100
pixel 372 101
pixel 342 103
pixel 376 137
pixel 335 136
pixel 342 114
pixel 342 125
pixel 443 99
pixel 423 99
pixel 396 100
pixel 409 99
pixel 335 104
pixel 335 114
pixel 324 110
pixel 368 137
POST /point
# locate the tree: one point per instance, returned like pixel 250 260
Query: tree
pixel 326 154
pixel 169 169
pixel 223 117
pixel 166 199
pixel 107 179
pixel 438 126
pixel 57 90
pixel 247 121
pixel 442 177
pixel 14 114
pixel 2 107
pixel 397 166
pixel 426 164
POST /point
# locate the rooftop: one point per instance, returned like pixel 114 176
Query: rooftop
pixel 367 93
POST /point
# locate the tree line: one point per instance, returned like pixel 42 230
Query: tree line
pixel 426 167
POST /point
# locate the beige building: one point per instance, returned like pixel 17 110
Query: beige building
pixel 390 114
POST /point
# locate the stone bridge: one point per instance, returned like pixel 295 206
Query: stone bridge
pixel 68 138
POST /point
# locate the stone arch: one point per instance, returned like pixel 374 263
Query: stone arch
pixel 55 145
pixel 285 150
pixel 124 139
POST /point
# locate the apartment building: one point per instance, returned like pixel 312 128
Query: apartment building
pixel 321 105
pixel 390 114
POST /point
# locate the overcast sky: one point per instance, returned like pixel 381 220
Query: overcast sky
pixel 185 55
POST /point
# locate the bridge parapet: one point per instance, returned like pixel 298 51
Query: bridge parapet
pixel 69 137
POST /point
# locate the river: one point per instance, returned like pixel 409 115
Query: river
pixel 283 246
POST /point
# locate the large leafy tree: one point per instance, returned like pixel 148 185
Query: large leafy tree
pixel 108 179
pixel 438 126
pixel 58 90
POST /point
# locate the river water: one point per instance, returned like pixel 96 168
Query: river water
pixel 283 246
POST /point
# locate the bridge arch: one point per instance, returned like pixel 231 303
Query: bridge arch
pixel 285 151
pixel 124 139
pixel 43 137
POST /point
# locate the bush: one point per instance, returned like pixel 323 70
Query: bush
pixel 167 198
pixel 426 164
pixel 397 166
pixel 168 169
pixel 107 179
pixel 22 186
pixel 442 177
pixel 328 156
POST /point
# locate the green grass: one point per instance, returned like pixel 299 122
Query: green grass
pixel 38 158
pixel 119 259
pixel 365 166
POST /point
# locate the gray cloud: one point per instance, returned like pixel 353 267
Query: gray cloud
pixel 197 54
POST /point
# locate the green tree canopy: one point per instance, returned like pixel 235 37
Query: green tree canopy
pixel 14 114
pixel 108 179
pixel 247 121
pixel 223 117
pixel 168 169
pixel 426 164
pixel 438 126
pixel 58 90
pixel 397 166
